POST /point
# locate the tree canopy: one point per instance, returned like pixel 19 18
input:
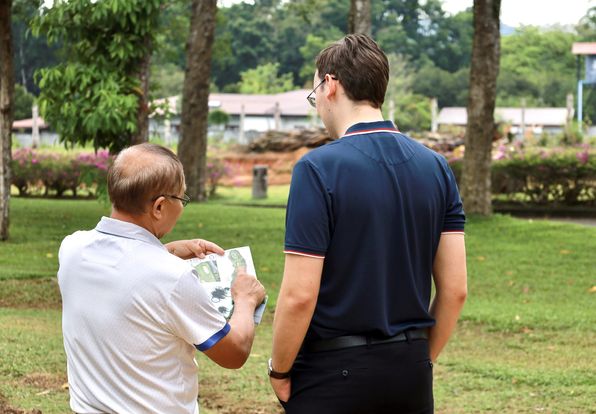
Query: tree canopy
pixel 93 94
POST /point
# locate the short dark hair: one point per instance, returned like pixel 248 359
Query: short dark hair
pixel 133 183
pixel 360 65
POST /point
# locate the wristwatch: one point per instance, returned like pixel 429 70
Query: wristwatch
pixel 275 374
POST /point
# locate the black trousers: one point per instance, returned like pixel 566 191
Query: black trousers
pixel 385 378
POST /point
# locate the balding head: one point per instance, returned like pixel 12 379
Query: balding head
pixel 141 173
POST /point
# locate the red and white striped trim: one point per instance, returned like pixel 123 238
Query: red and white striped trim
pixel 316 256
pixel 370 131
pixel 453 232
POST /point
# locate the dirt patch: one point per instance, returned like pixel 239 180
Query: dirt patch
pixel 7 409
pixel 45 381
pixel 214 397
pixel 279 166
pixel 30 293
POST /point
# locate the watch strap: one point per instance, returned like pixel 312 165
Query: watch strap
pixel 277 374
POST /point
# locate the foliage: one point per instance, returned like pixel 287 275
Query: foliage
pixel 218 117
pixel 216 170
pixel 30 52
pixel 93 96
pixel 559 176
pixel 312 46
pixel 56 172
pixel 264 79
pixel 166 80
pixel 587 26
pixel 536 65
pixel 23 101
pixel 25 169
pixel 412 112
pixel 52 173
pixel 292 33
pixel 450 89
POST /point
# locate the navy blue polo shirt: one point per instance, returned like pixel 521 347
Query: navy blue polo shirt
pixel 373 204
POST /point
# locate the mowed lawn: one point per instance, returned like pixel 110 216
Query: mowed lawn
pixel 526 342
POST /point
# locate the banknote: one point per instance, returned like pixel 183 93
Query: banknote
pixel 217 273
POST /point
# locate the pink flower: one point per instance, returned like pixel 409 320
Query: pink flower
pixel 583 157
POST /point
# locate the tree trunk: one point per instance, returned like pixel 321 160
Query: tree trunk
pixel 142 134
pixel 359 20
pixel 6 112
pixel 476 177
pixel 192 148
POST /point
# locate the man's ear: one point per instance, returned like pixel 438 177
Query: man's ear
pixel 331 86
pixel 157 207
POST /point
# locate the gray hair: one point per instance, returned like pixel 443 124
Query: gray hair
pixel 141 173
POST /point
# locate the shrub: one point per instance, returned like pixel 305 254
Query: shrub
pixel 216 169
pixel 58 172
pixel 25 169
pixel 559 176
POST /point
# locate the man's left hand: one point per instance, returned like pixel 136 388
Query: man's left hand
pixel 188 249
pixel 281 388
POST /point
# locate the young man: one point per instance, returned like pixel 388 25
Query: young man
pixel 134 312
pixel 371 219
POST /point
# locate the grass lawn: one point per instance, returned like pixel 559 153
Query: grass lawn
pixel 525 343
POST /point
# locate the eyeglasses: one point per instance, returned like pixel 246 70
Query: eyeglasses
pixel 311 98
pixel 185 200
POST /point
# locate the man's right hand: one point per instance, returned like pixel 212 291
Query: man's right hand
pixel 233 349
pixel 247 288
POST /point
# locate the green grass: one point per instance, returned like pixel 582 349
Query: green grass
pixel 525 343
pixel 276 196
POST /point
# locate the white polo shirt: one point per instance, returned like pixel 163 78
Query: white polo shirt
pixel 132 317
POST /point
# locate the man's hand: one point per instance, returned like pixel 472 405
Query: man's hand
pixel 188 249
pixel 233 349
pixel 247 289
pixel 282 388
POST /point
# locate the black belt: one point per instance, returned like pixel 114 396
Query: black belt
pixel 350 341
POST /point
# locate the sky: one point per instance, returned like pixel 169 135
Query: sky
pixel 532 12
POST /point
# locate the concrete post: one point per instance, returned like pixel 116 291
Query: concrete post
pixel 35 139
pixel 259 181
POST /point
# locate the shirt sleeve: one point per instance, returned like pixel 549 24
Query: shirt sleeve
pixel 308 215
pixel 191 315
pixel 455 218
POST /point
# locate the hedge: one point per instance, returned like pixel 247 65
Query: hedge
pixel 45 171
pixel 48 172
pixel 561 176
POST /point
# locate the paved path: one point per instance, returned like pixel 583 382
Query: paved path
pixel 583 221
pixel 591 222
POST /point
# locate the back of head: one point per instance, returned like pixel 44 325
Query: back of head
pixel 141 173
pixel 360 65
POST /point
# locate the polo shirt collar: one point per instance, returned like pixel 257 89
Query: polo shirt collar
pixel 119 228
pixel 366 127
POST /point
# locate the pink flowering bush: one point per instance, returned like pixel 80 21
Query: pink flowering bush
pixel 34 171
pixel 216 170
pixel 565 176
pixel 25 170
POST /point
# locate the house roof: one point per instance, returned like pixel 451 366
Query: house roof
pixel 292 103
pixel 28 124
pixel 533 116
pixel 584 48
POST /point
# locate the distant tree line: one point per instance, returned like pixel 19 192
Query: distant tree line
pixel 269 46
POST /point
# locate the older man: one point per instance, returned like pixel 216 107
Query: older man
pixel 133 311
